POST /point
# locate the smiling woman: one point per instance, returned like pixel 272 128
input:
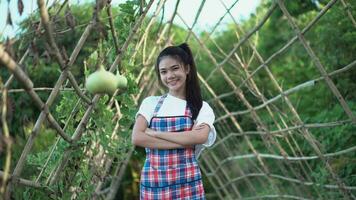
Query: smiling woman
pixel 174 128
pixel 173 76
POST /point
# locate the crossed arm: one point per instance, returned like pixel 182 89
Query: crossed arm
pixel 146 137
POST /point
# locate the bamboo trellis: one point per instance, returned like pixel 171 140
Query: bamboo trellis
pixel 233 166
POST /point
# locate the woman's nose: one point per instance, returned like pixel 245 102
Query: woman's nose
pixel 170 74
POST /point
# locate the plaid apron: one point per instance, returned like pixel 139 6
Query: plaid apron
pixel 171 173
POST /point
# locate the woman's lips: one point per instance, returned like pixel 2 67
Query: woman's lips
pixel 173 83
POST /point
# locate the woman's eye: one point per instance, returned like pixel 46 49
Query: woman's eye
pixel 163 72
pixel 175 68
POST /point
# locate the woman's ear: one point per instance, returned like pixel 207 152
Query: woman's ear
pixel 187 69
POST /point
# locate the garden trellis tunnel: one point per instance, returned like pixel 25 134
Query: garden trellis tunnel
pixel 284 100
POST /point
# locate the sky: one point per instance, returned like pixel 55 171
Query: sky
pixel 212 11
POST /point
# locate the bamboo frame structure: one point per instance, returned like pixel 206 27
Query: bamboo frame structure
pixel 234 167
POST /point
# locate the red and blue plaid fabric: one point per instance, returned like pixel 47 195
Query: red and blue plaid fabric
pixel 171 173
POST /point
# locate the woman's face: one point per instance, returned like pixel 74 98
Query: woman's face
pixel 173 75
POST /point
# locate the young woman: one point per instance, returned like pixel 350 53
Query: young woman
pixel 174 128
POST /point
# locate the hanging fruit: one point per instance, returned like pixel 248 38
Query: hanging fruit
pixel 101 81
pixel 104 82
pixel 121 81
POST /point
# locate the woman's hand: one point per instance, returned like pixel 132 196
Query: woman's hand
pixel 150 132
pixel 199 127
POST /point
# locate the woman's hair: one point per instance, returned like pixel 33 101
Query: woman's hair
pixel 183 54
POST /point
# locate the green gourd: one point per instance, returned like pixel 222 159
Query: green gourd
pixel 121 81
pixel 105 82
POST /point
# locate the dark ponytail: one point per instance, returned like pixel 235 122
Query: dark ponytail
pixel 192 88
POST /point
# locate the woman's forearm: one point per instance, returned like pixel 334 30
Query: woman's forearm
pixel 144 140
pixel 186 138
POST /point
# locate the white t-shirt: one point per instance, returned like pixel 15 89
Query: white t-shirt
pixel 173 106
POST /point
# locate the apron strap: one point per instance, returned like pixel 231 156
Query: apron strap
pixel 159 104
pixel 187 111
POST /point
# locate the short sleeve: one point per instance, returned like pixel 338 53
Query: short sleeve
pixel 146 109
pixel 207 116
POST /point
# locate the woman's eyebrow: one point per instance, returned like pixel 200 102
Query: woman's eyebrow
pixel 163 68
